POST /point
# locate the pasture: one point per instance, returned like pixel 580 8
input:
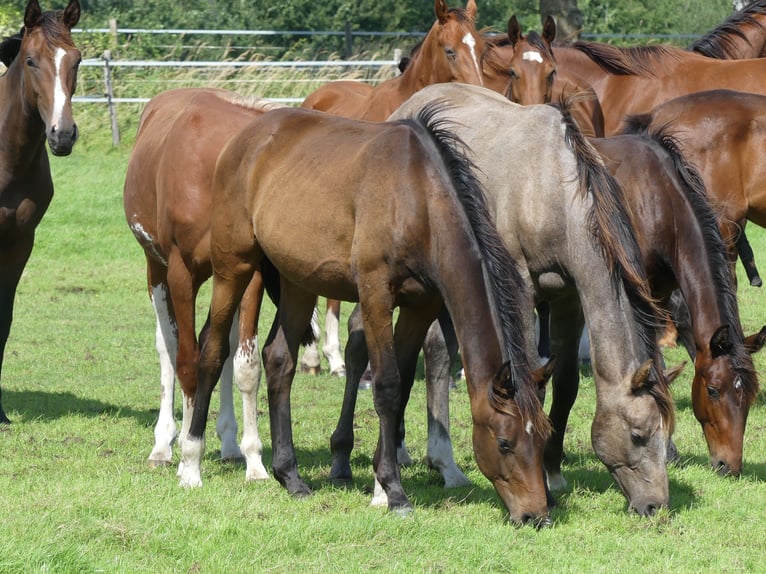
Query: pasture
pixel 81 385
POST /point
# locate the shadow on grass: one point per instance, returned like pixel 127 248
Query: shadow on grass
pixel 39 405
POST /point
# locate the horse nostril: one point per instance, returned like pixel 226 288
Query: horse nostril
pixel 650 510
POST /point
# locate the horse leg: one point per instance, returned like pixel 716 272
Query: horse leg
pixel 280 357
pixel 227 292
pixel 166 342
pixel 747 257
pixel 409 335
pixel 566 328
pixel 226 422
pixel 331 348
pixel 12 264
pixel 543 320
pixel 247 365
pixel 310 362
pixel 342 439
pixel 437 360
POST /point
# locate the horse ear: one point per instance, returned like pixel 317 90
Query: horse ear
pixel 501 384
pixel 514 30
pixel 720 342
pixel 471 9
pixel 542 375
pixel 642 378
pixel 671 374
pixel 754 343
pixel 549 29
pixel 441 10
pixel 32 14
pixel 72 14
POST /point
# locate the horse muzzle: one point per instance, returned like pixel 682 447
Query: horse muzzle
pixel 61 141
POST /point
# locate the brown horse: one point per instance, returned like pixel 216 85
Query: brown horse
pixel 395 218
pixel 682 247
pixel 741 36
pixel 524 69
pixel 35 105
pixel 167 199
pixel 450 52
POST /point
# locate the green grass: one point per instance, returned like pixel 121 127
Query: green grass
pixel 80 382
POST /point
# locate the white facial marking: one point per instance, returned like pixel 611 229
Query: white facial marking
pixel 470 41
pixel 737 383
pixel 528 428
pixel 532 57
pixel 59 96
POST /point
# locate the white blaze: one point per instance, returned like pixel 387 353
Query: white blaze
pixel 59 96
pixel 532 57
pixel 470 41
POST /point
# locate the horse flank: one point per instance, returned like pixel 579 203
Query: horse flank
pixel 715 249
pixel 719 42
pixel 612 232
pixel 501 269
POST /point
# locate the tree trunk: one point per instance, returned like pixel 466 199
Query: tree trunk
pixel 567 16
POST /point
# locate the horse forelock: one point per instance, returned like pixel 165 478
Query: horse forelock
pixel 536 41
pixel 693 187
pixel 501 269
pixel 612 233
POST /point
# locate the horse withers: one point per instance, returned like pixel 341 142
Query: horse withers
pixel 35 106
pixel 389 214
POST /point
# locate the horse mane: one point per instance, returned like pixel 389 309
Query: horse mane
pixel 719 43
pixel 501 269
pixel 612 233
pixel 632 61
pixel 249 102
pixel 693 187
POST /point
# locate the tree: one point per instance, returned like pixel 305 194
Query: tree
pixel 569 20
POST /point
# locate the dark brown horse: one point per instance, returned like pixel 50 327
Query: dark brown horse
pixel 741 36
pixel 682 247
pixel 167 198
pixel 391 215
pixel 35 105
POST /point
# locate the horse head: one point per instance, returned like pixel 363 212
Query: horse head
pixel 723 388
pixel 630 433
pixel 532 68
pixel 49 60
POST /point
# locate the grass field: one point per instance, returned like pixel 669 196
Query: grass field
pixel 81 383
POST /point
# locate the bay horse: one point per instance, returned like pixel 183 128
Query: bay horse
pixel 683 248
pixel 741 36
pixel 586 261
pixel 167 198
pixel 35 107
pixel 394 216
pixel 450 52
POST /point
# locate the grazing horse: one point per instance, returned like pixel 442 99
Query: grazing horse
pixel 682 247
pixel 167 199
pixel 394 217
pixel 721 132
pixel 586 261
pixel 35 105
pixel 741 36
pixel 450 52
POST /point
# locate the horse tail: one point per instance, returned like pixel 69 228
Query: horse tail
pixel 693 186
pixel 272 282
pixel 501 268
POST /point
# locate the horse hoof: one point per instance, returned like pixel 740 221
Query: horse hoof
pixel 403 511
pixel 756 281
pixel 158 462
pixel 340 372
pixel 309 370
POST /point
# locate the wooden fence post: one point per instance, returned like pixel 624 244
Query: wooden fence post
pixel 110 104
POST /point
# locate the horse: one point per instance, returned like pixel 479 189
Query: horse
pixel 524 69
pixel 35 107
pixel 741 36
pixel 450 52
pixel 585 260
pixel 682 248
pixel 167 198
pixel 395 217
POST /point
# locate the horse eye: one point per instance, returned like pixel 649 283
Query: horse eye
pixel 637 439
pixel 504 445
pixel 450 53
pixel 31 63
pixel 513 74
pixel 712 392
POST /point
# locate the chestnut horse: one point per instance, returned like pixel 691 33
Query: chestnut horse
pixel 450 52
pixel 585 259
pixel 741 36
pixel 35 105
pixel 167 200
pixel 395 217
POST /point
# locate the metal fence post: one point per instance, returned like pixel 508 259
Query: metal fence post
pixel 110 104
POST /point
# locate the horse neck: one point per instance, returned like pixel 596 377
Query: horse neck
pixel 19 118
